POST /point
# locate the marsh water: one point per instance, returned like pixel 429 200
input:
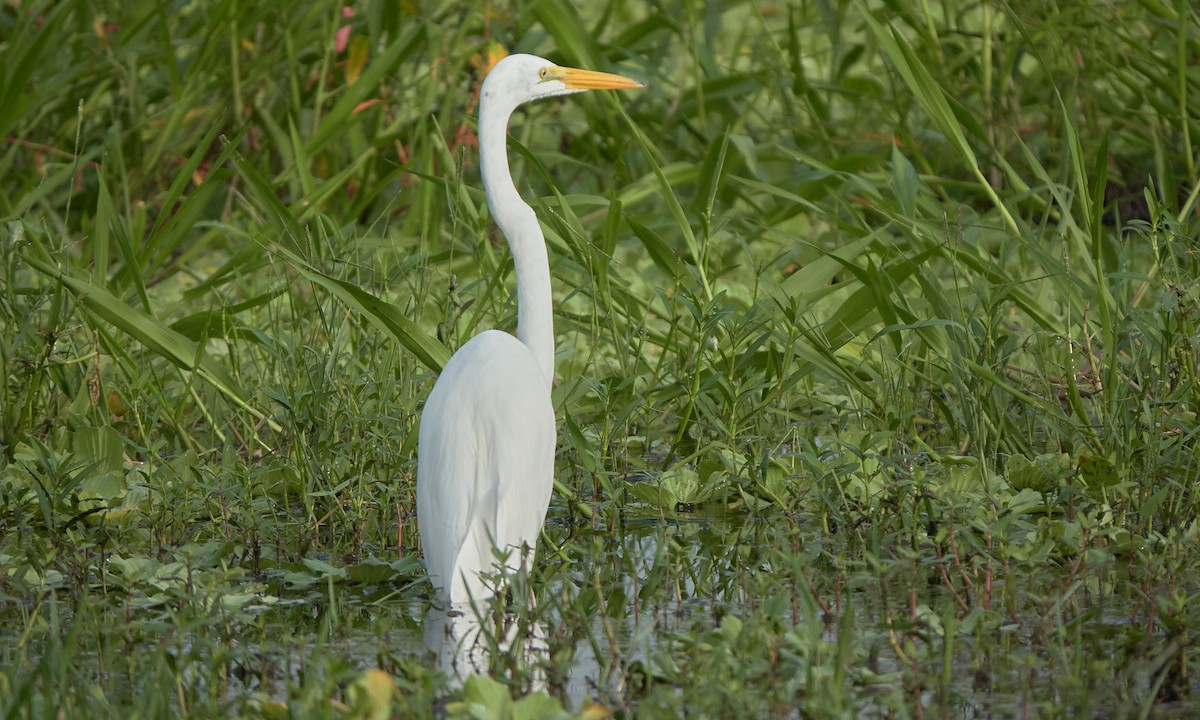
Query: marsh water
pixel 650 604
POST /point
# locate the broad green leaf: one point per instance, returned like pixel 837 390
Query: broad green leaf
pixel 102 445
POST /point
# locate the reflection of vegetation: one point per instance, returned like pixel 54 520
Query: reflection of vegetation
pixel 878 378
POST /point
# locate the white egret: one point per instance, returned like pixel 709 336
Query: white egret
pixel 485 454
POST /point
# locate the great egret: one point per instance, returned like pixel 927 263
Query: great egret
pixel 485 454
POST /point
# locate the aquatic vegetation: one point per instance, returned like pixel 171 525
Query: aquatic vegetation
pixel 877 358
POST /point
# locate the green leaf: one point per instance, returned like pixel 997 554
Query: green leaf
pixel 712 175
pixel 661 253
pixel 1098 471
pixel 667 193
pixel 279 216
pixel 153 333
pixel 583 448
pixel 603 252
pixel 101 445
pixel 487 699
pixel 574 41
pixel 936 103
pixel 323 568
pixel 334 122
pixel 380 313
pixel 1043 474
pixel 538 706
pixel 221 322
pixel 107 215
pixel 904 182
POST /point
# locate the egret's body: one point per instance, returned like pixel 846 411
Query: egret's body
pixel 485 456
pixel 489 425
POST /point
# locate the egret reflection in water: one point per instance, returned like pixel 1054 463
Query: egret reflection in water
pixel 467 644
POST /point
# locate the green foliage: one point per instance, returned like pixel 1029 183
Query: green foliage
pixel 877 355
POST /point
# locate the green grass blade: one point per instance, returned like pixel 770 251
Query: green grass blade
pixel 936 104
pixel 152 333
pixel 334 122
pixel 380 313
pixel 573 39
pixel 132 270
pixel 667 193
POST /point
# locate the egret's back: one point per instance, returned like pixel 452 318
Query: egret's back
pixel 485 463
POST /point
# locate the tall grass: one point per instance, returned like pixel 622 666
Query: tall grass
pixel 896 303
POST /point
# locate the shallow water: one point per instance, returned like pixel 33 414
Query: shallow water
pixel 677 578
pixel 615 605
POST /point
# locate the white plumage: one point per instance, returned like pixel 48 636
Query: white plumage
pixel 485 463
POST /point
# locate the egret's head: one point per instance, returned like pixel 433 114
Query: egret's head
pixel 520 78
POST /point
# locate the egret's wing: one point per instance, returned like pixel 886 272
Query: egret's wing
pixel 524 469
pixel 485 461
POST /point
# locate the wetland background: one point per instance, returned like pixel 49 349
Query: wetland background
pixel 877 355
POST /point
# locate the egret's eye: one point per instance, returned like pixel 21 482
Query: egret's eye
pixel 544 73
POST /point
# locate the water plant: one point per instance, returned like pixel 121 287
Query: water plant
pixel 876 334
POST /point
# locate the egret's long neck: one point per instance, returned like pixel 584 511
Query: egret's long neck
pixel 518 222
